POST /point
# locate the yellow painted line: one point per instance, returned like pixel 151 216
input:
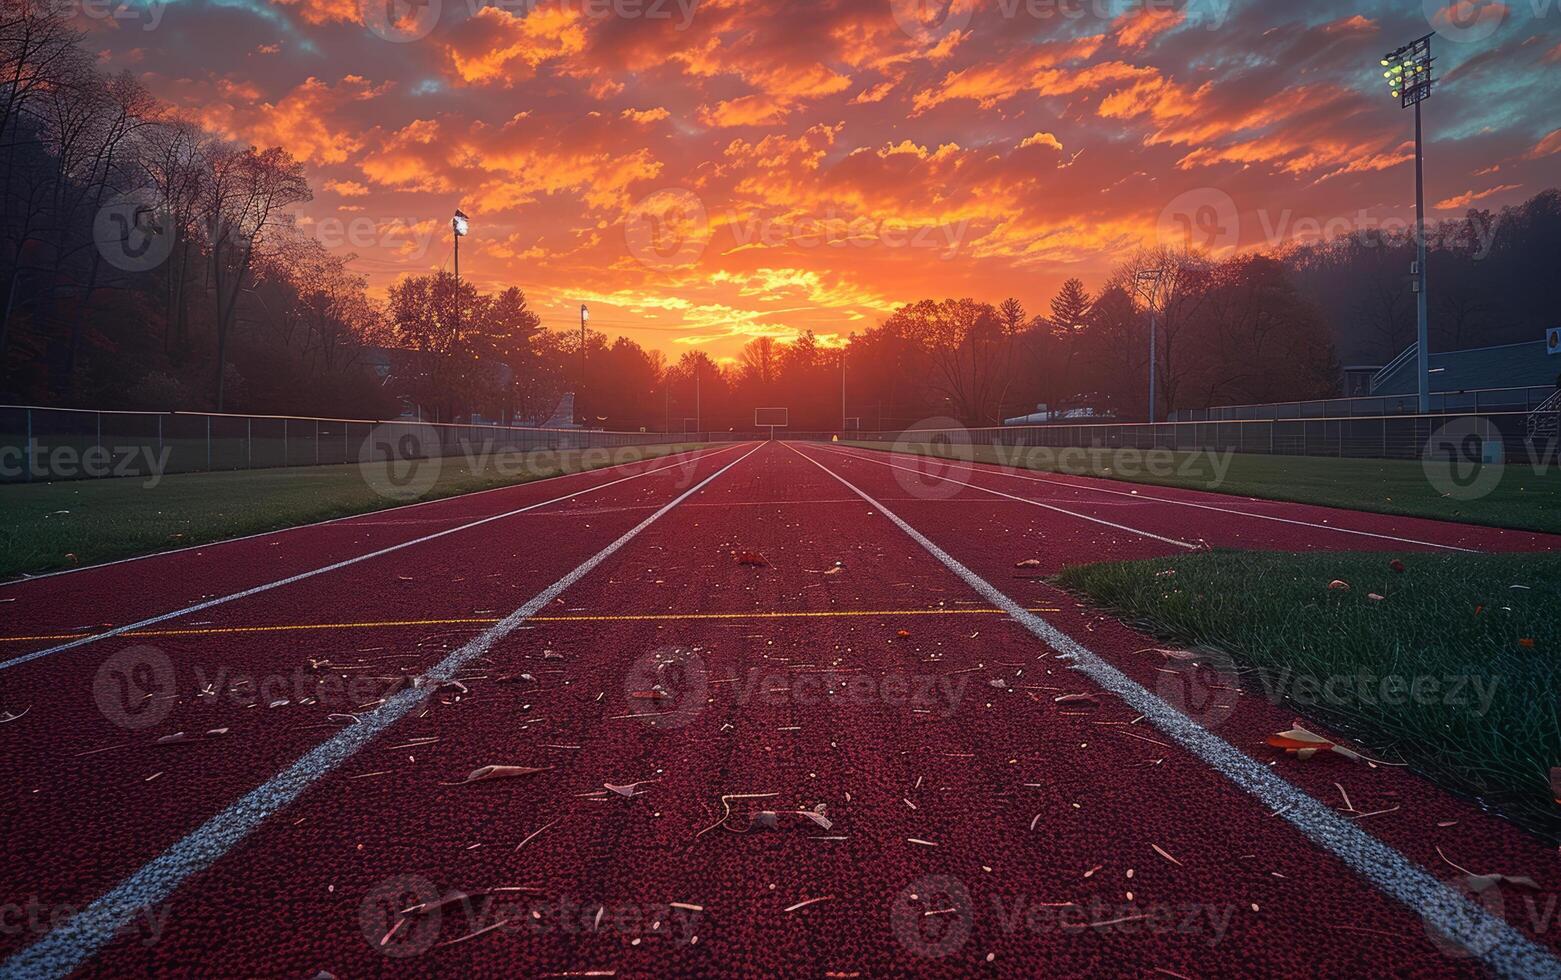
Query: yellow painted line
pixel 617 618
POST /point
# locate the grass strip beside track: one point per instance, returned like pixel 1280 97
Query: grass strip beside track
pixel 51 526
pixel 1455 671
pixel 1524 499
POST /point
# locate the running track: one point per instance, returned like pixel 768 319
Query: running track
pixel 889 662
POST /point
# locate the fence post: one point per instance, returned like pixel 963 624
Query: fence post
pixel 286 456
pixel 208 444
pixel 100 432
pixel 29 414
pixel 249 443
pixel 159 436
pixel 317 442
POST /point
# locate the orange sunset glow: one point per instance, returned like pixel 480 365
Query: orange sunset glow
pixel 702 173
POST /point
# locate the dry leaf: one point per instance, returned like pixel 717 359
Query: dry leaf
pixel 750 558
pixel 1396 565
pixel 1339 585
pixel 1028 563
pixel 627 789
pixel 1086 699
pixel 1526 643
pixel 498 772
pixel 1305 744
pixel 770 819
pixel 903 633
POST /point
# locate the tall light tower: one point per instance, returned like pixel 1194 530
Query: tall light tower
pixel 585 315
pixel 1147 284
pixel 1410 75
pixel 461 225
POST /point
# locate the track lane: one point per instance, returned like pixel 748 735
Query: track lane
pixel 82 757
pixel 1098 804
pixel 1222 519
pixel 90 599
pixel 1424 818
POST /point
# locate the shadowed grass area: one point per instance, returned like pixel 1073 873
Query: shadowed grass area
pixel 1524 499
pixel 50 526
pixel 1455 671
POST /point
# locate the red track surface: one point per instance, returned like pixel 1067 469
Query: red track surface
pixel 868 690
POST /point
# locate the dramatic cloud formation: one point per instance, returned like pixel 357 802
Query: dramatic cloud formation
pixel 705 172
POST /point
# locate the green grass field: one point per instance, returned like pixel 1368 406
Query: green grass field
pixel 1524 499
pixel 1456 671
pixel 51 526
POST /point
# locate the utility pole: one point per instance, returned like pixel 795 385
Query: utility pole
pixel 842 391
pixel 585 315
pixel 1147 283
pixel 461 225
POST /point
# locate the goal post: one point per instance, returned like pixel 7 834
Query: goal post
pixel 772 419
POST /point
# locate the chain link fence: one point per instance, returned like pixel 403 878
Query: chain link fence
pixel 1480 402
pixel 1491 437
pixel 41 444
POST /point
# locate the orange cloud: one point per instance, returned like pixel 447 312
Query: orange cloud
pixel 1469 197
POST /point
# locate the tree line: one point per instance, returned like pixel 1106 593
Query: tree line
pixel 148 264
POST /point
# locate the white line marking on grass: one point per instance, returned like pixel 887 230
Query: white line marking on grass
pixel 256 590
pixel 1032 503
pixel 1502 948
pixel 67 947
pixel 1008 471
pixel 398 509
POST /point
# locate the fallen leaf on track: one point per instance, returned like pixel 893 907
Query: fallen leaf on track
pixel 1305 744
pixel 1484 882
pixel 498 772
pixel 751 559
pixel 1028 563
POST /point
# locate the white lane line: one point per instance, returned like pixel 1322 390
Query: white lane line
pixel 1025 500
pixel 398 509
pixel 67 947
pixel 1008 472
pixel 1504 949
pixel 267 587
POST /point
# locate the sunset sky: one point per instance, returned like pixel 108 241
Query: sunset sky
pixel 704 172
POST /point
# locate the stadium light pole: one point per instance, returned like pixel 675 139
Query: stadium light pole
pixel 461 225
pixel 1410 76
pixel 585 316
pixel 1147 283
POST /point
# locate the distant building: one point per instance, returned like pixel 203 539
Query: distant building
pixel 1482 368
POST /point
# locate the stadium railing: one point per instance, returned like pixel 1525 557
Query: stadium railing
pixel 38 444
